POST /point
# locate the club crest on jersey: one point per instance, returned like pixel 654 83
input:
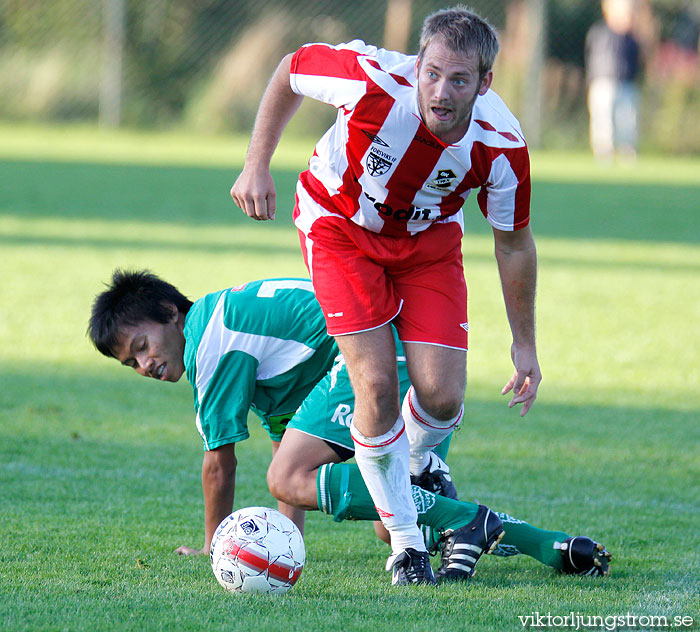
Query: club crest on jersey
pixel 444 179
pixel 378 165
pixel 374 138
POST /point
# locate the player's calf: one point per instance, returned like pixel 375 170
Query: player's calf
pixel 425 431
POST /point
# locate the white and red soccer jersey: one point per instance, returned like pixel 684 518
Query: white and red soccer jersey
pixel 382 168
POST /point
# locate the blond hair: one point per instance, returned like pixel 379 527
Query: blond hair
pixel 462 31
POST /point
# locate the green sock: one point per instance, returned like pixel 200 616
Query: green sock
pixel 341 491
pixel 522 537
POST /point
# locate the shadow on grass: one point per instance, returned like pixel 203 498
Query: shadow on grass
pixel 235 245
pixel 200 196
pixel 183 195
pixel 231 242
pixel 57 398
pixel 626 458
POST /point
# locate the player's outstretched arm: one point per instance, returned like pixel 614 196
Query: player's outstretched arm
pixel 517 265
pixel 218 485
pixel 254 190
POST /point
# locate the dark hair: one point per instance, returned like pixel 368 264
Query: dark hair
pixel 130 299
pixel 463 31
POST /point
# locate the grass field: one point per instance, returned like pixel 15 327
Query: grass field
pixel 100 469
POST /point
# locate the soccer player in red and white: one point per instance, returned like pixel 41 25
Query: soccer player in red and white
pixel 380 222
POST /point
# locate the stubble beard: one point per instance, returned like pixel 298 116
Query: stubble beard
pixel 439 128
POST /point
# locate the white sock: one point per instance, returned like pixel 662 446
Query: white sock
pixel 424 431
pixel 383 462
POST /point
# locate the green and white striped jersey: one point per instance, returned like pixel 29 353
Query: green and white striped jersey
pixel 261 346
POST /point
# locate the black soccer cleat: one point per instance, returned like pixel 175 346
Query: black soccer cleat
pixel 461 548
pixel 436 478
pixel 410 567
pixel 582 556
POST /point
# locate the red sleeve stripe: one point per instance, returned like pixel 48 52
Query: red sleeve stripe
pixel 321 60
pixel 402 81
pixel 487 126
pixel 482 157
pixel 520 161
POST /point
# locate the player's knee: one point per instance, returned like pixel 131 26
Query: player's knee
pixel 285 482
pixel 376 395
pixel 440 401
pixel 374 382
pixel 278 481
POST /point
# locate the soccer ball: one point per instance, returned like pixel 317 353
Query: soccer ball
pixel 257 550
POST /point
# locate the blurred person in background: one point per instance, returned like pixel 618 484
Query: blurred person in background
pixel 679 56
pixel 613 64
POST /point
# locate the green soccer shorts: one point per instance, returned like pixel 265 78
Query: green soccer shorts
pixel 327 411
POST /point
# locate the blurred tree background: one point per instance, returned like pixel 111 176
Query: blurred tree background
pixel 203 64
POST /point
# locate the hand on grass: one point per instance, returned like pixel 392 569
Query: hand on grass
pixel 187 550
pixel 526 378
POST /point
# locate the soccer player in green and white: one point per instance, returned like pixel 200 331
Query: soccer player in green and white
pixel 263 346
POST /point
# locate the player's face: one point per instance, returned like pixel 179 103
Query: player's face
pixel 154 349
pixel 448 84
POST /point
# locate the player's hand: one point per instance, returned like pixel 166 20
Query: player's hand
pixel 187 550
pixel 526 378
pixel 254 192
